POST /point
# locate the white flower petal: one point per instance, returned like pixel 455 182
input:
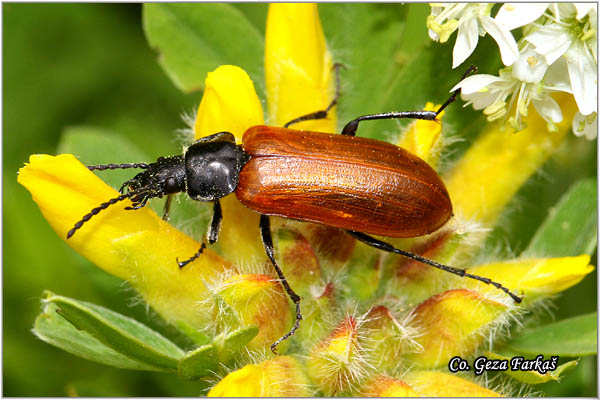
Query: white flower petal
pixel 480 100
pixel 514 15
pixel 549 109
pixel 551 41
pixel 584 8
pixel 584 78
pixel 475 83
pixel 466 41
pixel 506 43
pixel 585 125
pixel 557 77
pixel 530 67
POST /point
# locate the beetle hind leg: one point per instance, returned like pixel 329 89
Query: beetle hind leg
pixel 381 245
pixel 265 230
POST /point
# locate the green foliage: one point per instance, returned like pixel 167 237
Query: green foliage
pixel 571 226
pixel 86 74
pixel 572 337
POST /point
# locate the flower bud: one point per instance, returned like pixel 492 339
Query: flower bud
pixel 454 323
pixel 253 299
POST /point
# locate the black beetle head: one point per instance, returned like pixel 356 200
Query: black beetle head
pixel 165 176
pixel 212 166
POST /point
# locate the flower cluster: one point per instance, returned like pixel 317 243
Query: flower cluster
pixel 557 52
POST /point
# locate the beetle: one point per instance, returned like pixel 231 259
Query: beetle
pixel 363 186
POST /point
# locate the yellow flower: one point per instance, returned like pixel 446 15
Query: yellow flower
pixel 282 376
pixel 137 246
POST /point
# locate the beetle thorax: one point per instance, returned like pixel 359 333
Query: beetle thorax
pixel 212 166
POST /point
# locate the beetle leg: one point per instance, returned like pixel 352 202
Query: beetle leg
pixel 215 225
pixel 352 126
pixel 322 114
pixel 213 233
pixel 378 244
pixel 265 231
pixel 472 69
pixel 192 258
pixel 167 207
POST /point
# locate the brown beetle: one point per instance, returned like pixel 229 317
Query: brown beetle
pixel 363 186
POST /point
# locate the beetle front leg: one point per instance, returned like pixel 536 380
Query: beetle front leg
pixel 215 224
pixel 381 245
pixel 213 233
pixel 265 231
pixel 167 208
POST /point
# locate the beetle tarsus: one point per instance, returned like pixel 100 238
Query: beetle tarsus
pixel 471 70
pixel 192 258
pixel 378 244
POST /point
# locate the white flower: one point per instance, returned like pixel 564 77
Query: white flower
pixel 472 20
pixel 572 32
pixel 585 125
pixel 522 83
pixel 514 15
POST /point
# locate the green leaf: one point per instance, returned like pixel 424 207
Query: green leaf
pixel 534 377
pixel 97 146
pixel 199 362
pixel 194 39
pixel 197 336
pixel 233 342
pixel 123 335
pixel 571 337
pixel 50 327
pixel 570 228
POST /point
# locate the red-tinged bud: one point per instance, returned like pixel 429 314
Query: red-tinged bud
pixel 298 260
pixel 454 323
pixel 253 299
pixel 439 384
pixel 387 339
pixel 338 363
pixel 385 386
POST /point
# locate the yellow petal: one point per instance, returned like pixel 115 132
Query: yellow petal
pixel 298 66
pixel 454 323
pixel 439 384
pixel 385 386
pixel 137 246
pixel 499 162
pixel 229 103
pixel 422 137
pixel 537 277
pixel 259 300
pixel 279 377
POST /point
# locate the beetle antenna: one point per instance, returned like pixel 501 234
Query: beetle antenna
pixel 378 244
pixel 96 210
pixel 471 70
pixel 103 167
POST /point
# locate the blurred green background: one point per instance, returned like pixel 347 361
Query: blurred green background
pixel 68 66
